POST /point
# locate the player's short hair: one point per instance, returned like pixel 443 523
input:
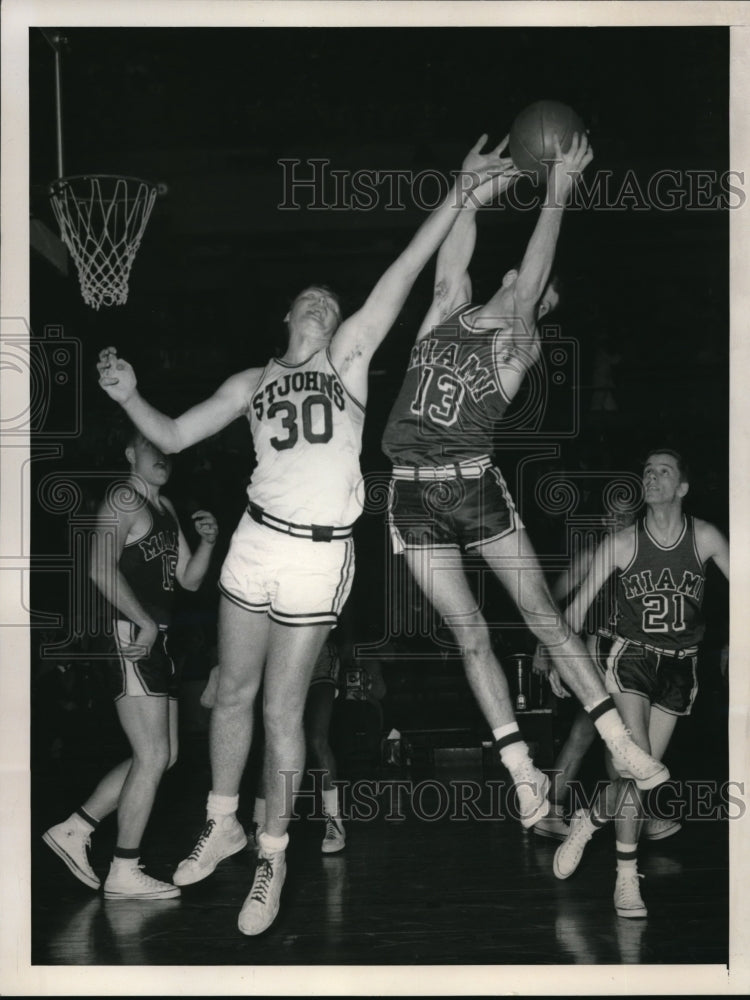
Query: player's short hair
pixel 682 466
pixel 131 436
pixel 321 288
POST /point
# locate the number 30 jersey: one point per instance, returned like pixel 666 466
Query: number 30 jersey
pixel 451 398
pixel 307 431
pixel 660 594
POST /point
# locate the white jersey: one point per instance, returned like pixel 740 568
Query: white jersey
pixel 307 431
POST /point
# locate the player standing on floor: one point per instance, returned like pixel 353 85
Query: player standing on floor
pixel 447 497
pixel 291 560
pixel 651 655
pixel 321 697
pixel 136 571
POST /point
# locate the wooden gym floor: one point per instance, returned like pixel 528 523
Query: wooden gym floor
pixel 409 891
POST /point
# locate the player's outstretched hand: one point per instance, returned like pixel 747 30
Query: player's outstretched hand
pixel 206 526
pixel 569 166
pixel 478 168
pixel 116 376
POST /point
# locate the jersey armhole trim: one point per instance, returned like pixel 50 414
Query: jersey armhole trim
pixel 343 384
pixel 145 534
pixel 496 370
pixel 636 533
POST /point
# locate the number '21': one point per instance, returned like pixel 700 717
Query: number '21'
pixel 656 608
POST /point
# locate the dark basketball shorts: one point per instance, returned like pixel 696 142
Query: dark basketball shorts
pixel 155 676
pixel 669 682
pixel 463 506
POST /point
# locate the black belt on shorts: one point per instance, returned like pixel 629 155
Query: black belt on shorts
pixel 472 468
pixel 316 532
pixel 678 654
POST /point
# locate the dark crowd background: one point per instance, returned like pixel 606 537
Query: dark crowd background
pixel 638 355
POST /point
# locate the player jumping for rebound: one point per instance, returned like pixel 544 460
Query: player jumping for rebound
pixel 291 560
pixel 447 497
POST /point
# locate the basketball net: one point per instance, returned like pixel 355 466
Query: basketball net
pixel 102 219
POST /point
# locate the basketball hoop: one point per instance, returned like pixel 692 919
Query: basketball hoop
pixel 102 219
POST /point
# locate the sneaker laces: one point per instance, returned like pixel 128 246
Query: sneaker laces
pixel 332 829
pixel 628 889
pixel 626 740
pixel 205 834
pixel 262 883
pixel 580 828
pixel 146 880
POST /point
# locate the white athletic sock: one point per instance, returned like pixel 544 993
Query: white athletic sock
pixel 221 805
pixel 513 749
pixel 125 863
pixel 609 724
pixel 272 845
pixel 77 820
pixel 331 801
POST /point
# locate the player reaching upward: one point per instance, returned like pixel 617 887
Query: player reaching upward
pixel 290 564
pixel 447 497
pixel 650 656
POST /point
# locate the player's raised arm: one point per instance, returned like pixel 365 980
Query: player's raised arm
pixel 516 304
pixel 117 378
pixel 536 266
pixel 452 286
pixel 359 336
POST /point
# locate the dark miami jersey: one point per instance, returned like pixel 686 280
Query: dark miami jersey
pixel 660 594
pixel 307 431
pixel 149 564
pixel 451 397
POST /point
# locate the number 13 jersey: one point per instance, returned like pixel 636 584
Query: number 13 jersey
pixel 660 594
pixel 307 431
pixel 451 398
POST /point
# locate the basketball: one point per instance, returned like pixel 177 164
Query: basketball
pixel 532 135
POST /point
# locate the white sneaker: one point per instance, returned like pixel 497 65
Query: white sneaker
pixel 335 837
pixel 219 839
pixel 568 855
pixel 658 829
pixel 628 902
pixel 531 787
pixel 131 882
pixel 633 762
pixel 71 844
pixel 262 904
pixel 552 825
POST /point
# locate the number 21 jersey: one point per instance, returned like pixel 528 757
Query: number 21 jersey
pixel 660 594
pixel 307 432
